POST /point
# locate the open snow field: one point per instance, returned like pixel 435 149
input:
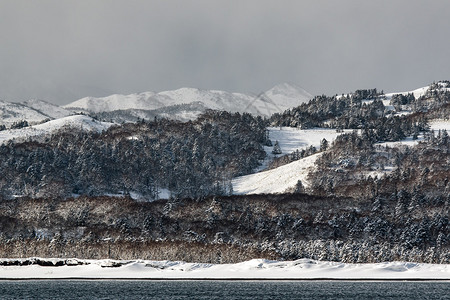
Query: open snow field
pixel 253 269
pixel 291 139
pixel 284 178
pixel 278 180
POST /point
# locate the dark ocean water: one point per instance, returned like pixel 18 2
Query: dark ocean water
pixel 78 289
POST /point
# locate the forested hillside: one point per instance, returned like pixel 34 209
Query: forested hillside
pixel 191 159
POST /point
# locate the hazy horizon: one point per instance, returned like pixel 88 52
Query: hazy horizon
pixel 61 51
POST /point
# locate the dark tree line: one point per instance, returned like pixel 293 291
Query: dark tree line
pixel 228 229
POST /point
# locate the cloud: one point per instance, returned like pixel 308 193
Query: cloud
pixel 64 50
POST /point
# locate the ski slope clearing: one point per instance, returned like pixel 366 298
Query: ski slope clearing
pixel 280 180
pixel 253 269
pixel 77 121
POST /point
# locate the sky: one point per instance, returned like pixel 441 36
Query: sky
pixel 63 50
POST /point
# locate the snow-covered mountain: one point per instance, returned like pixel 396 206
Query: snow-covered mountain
pixel 34 111
pixel 116 102
pixel 51 110
pixel 277 99
pixel 16 112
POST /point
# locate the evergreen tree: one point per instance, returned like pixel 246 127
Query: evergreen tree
pixel 276 148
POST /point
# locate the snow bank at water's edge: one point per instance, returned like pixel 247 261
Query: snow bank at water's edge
pixel 253 269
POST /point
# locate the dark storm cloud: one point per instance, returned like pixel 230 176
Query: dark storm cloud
pixel 64 50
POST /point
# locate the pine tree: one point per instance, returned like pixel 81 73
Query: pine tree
pixel 276 148
pixel 323 145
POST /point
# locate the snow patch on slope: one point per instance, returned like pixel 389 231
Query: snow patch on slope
pixel 417 92
pixel 291 139
pixel 279 180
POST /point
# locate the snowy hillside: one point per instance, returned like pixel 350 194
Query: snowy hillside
pixel 277 99
pixel 16 112
pixel 285 178
pixel 280 180
pixel 51 110
pixel 77 121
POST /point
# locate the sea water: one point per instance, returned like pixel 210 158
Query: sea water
pixel 122 289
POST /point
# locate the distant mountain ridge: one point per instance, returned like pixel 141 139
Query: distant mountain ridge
pixel 277 99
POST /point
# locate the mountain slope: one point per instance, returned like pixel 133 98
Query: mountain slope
pixel 277 99
pixel 15 112
pixel 280 180
pixel 116 102
pixel 51 110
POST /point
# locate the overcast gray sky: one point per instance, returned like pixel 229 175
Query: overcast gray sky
pixel 64 50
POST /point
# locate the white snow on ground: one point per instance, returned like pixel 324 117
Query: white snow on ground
pixel 417 92
pixel 439 124
pixel 77 121
pixel 291 139
pixel 253 269
pixel 278 180
pixel 405 142
pixel 283 178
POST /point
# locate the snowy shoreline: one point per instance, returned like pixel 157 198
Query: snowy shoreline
pixel 256 269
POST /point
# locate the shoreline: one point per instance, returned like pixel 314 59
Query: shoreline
pixel 232 279
pixel 253 270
